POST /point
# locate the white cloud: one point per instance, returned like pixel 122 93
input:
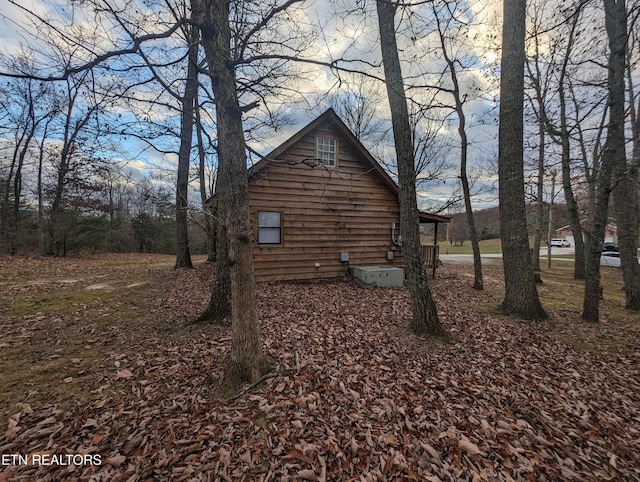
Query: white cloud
pixel 354 37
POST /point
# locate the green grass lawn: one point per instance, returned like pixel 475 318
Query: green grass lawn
pixel 487 246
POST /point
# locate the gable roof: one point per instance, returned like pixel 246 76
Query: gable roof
pixel 611 223
pixel 330 118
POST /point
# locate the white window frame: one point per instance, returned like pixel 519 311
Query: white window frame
pixel 327 151
pixel 269 226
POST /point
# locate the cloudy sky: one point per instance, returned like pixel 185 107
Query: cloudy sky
pixel 337 32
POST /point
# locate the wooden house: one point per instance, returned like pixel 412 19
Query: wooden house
pixel 320 203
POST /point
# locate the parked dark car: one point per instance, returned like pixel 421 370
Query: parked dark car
pixel 610 247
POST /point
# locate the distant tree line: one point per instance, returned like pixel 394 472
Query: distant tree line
pixel 97 214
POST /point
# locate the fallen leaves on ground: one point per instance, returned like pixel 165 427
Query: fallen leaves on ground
pixel 356 398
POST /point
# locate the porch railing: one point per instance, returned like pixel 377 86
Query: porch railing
pixel 431 255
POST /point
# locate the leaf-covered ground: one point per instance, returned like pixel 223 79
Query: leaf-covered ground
pixel 97 359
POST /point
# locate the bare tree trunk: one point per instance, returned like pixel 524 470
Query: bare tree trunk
pixel 634 115
pixel 72 130
pixel 573 209
pixel 41 221
pixel 521 297
pixel 207 209
pixel 11 214
pixel 478 284
pixel 550 227
pixel 8 224
pixel 535 76
pixel 246 362
pixel 572 205
pixel 625 189
pixel 17 191
pixel 25 131
pixel 613 158
pixel 537 241
pixel 183 254
pixel 39 185
pixel 590 169
pixel 54 240
pixel 591 301
pixel 6 208
pixel 219 308
pixel 425 316
pixel 537 104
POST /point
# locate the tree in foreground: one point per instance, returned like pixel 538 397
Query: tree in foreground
pixel 613 175
pixel 247 361
pixel 625 175
pixel 521 297
pixel 425 320
pixel 218 310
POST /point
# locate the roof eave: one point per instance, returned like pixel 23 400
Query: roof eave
pixel 433 218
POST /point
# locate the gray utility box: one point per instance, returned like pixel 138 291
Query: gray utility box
pixel 382 276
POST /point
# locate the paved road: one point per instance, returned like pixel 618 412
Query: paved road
pixel 468 258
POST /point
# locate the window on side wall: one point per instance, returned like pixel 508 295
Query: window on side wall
pixel 326 149
pixel 269 227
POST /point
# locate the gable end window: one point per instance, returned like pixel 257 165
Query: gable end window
pixel 269 227
pixel 326 149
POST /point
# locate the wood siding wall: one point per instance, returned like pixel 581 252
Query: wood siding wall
pixel 324 211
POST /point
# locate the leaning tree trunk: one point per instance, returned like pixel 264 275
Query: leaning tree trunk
pixel 246 362
pixel 478 283
pixel 521 297
pixel 183 254
pixel 425 316
pixel 573 209
pixel 218 310
pixel 572 205
pixel 625 183
pixel 207 209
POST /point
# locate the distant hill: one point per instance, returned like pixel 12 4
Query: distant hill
pixel 488 223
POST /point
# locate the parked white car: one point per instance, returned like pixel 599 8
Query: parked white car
pixel 611 258
pixel 559 243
